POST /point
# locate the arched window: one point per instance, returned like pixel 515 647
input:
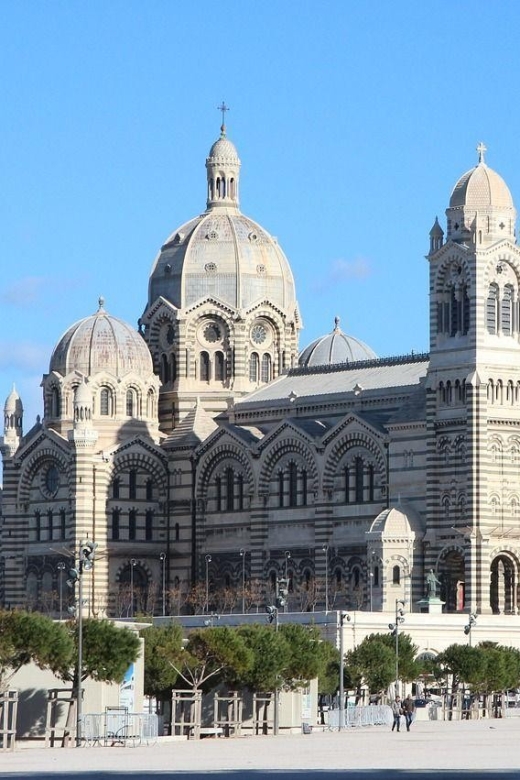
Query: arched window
pixel 177 532
pixel 132 484
pixel 506 310
pixel 240 491
pixel 148 526
pixel 149 489
pixel 38 525
pixel 50 523
pixel 218 485
pixel 165 369
pixel 253 367
pixel 105 402
pixel 150 404
pixel 293 484
pixel 346 477
pixel 63 524
pixel 492 309
pixel 266 368
pixel 132 525
pixel 376 576
pixel 116 516
pixel 204 367
pixel 370 482
pixel 396 575
pixel 304 487
pixel 55 402
pixel 358 466
pixel 130 403
pixel 230 489
pixel 115 487
pixel 219 367
pixel 280 488
pixel 173 367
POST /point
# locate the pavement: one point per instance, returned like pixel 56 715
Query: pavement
pixel 432 749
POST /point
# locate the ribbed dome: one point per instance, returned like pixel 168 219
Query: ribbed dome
pixel 222 253
pixel 481 187
pixel 397 521
pixel 101 343
pixel 226 255
pixel 335 347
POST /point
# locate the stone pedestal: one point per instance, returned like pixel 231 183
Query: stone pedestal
pixel 431 604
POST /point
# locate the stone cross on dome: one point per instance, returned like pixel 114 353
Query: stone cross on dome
pixel 481 149
pixel 223 108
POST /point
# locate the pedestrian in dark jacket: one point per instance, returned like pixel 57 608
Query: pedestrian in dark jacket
pixel 408 709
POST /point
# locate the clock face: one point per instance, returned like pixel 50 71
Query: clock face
pixel 258 333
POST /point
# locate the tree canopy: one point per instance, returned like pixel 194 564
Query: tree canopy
pixel 30 636
pixel 162 645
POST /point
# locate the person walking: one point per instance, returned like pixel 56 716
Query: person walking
pixel 397 712
pixel 408 709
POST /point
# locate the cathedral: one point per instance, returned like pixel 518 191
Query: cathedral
pixel 205 451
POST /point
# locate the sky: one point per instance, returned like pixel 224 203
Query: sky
pixel 353 122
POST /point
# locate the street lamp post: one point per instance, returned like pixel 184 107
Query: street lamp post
pixel 287 555
pixel 85 563
pixel 207 558
pixel 61 568
pixel 162 558
pixel 342 616
pixel 243 556
pixel 394 628
pixel 325 549
pixel 133 563
pixel 272 614
pixel 467 628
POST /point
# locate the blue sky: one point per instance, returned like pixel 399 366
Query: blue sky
pixel 353 121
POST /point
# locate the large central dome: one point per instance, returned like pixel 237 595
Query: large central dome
pixel 222 253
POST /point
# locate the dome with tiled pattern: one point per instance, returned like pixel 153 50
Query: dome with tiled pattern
pixel 101 343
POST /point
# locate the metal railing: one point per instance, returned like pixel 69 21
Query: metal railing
pixel 113 728
pixel 355 717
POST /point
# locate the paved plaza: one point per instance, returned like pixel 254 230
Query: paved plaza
pixel 471 749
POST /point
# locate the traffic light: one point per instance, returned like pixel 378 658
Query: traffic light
pixel 282 591
pixel 73 577
pixel 88 553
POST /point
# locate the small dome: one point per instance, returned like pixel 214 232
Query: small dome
pixel 398 521
pixel 13 403
pixel 479 188
pixel 335 347
pixel 83 396
pixel 223 150
pixel 101 343
pixel 436 231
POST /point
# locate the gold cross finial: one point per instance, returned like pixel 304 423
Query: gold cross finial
pixel 481 149
pixel 223 108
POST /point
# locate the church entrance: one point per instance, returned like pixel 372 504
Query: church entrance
pixel 503 595
pixel 453 578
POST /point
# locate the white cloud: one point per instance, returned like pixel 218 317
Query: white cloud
pixel 24 292
pixel 23 355
pixel 341 271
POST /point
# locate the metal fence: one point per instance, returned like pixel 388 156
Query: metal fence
pixel 8 710
pixel 355 717
pixel 115 727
